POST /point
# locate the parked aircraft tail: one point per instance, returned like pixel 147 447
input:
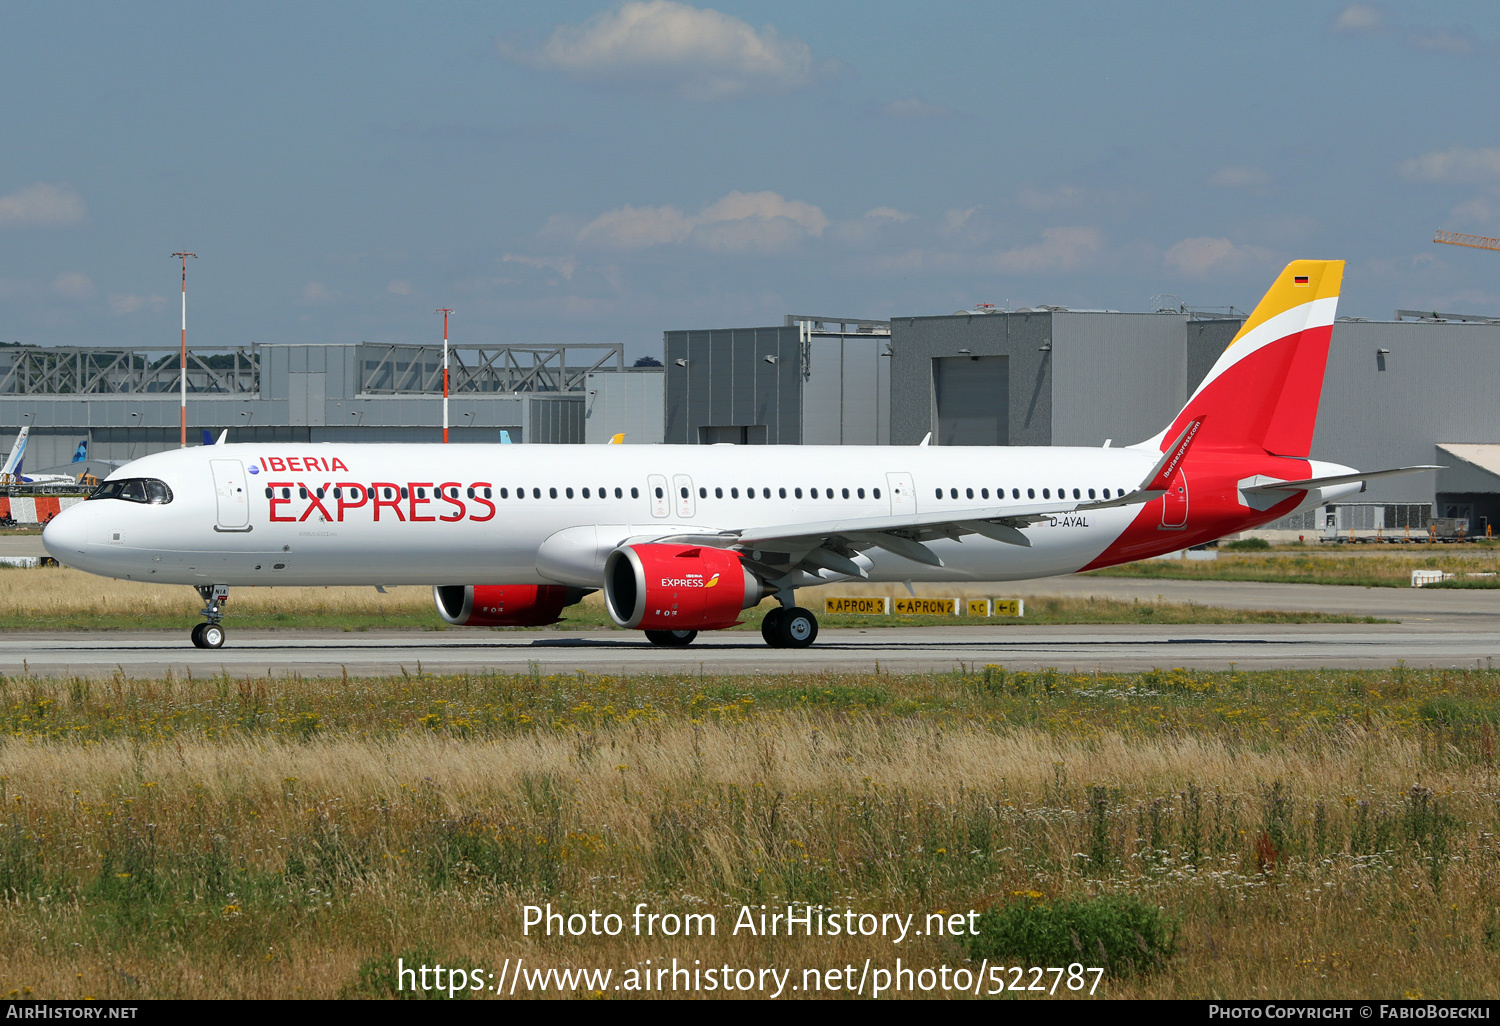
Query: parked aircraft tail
pixel 12 468
pixel 82 452
pixel 1262 394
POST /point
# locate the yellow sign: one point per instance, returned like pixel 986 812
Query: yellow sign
pixel 869 606
pixel 979 607
pixel 927 606
pixel 1010 607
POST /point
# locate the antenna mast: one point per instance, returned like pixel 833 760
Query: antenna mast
pixel 183 378
pixel 445 311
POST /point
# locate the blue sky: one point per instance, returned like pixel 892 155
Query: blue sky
pixel 583 172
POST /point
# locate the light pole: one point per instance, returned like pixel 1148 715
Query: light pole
pixel 183 380
pixel 445 311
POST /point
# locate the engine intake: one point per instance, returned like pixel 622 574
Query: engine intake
pixel 504 605
pixel 677 587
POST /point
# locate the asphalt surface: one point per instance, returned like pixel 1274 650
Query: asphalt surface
pixel 1437 628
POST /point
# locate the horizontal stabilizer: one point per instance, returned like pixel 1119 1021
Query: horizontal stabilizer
pixel 1272 485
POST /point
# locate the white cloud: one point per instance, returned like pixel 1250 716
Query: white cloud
pixel 1483 210
pixel 697 54
pixel 957 220
pixel 913 108
pixel 564 266
pixel 1061 249
pixel 398 287
pixel 121 304
pixel 1240 177
pixel 315 293
pixel 1459 165
pixel 740 222
pixel 1443 41
pixel 73 285
pixel 42 205
pixel 887 214
pixel 1359 18
pixel 1206 255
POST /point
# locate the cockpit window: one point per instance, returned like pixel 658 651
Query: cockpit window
pixel 135 489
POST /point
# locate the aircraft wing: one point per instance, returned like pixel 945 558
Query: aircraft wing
pixel 831 544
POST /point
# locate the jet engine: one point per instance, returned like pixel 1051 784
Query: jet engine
pixel 503 605
pixel 659 587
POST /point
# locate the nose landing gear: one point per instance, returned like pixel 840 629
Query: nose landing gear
pixel 211 634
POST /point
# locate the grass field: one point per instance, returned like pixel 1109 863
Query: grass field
pixel 59 598
pixel 1299 566
pixel 1291 834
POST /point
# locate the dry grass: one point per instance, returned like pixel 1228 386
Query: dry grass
pixel 1301 566
pixel 60 598
pixel 1313 834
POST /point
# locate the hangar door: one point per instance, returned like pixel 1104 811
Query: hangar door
pixel 972 397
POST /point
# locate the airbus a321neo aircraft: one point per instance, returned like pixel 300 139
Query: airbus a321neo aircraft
pixel 682 538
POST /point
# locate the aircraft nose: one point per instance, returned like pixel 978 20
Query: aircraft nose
pixel 66 535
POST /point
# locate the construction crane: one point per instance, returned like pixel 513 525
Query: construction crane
pixel 1474 241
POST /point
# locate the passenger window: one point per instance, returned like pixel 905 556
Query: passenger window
pixel 620 495
pixel 504 493
pixel 814 493
pixel 585 494
pixel 968 493
pixel 569 493
pixel 471 492
pixel 938 493
pixel 984 493
pixel 268 493
pixel 1031 493
pixel 718 493
pixel 520 493
pixel 1076 495
pixel 403 494
pixel 797 492
pixel 781 492
pixel 1106 493
pixel 635 493
pixel 877 493
pixel 749 493
pixel 765 493
pixel 702 492
pixel 861 493
pixel 683 492
pixel 846 493
pixel 302 492
pixel 286 493
pixel 1046 493
pixel 486 493
pixel 536 493
pixel 658 493
pixel 734 493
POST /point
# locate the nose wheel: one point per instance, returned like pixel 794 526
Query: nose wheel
pixel 208 635
pixel 211 634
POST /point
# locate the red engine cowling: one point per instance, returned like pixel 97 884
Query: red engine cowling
pixel 503 605
pixel 656 587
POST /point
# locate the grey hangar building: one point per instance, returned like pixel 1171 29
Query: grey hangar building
pixel 1422 388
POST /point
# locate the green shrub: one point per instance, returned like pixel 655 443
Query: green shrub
pixel 1122 935
pixel 377 977
pixel 1247 545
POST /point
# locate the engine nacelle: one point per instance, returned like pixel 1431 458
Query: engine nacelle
pixel 657 587
pixel 503 605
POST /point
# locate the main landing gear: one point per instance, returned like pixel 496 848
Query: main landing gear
pixel 789 627
pixel 211 634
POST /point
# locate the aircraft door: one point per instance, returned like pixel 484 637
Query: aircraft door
pixel 656 486
pixel 903 494
pixel 230 493
pixel 1174 508
pixel 682 488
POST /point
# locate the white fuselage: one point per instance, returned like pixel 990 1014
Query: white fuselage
pixel 238 515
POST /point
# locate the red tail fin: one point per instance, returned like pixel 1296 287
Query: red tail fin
pixel 1262 394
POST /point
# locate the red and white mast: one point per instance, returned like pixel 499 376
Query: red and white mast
pixel 445 311
pixel 182 382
